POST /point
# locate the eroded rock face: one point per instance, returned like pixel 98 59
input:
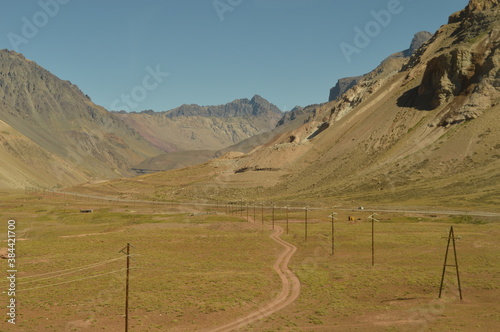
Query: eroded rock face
pixel 447 75
pixel 461 69
pixel 418 40
pixel 474 6
pixel 465 80
pixel 480 5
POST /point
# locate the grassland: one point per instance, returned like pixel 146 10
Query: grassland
pixel 194 268
pixel 188 269
pixel 344 292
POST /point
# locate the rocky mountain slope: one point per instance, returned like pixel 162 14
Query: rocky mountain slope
pixel 396 59
pixel 184 158
pixel 428 131
pixel 193 127
pixel 424 134
pixel 53 135
pixel 193 134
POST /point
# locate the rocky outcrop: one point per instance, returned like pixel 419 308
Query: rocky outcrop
pixel 291 115
pixel 418 40
pixel 465 80
pixel 474 7
pixel 347 83
pixel 343 85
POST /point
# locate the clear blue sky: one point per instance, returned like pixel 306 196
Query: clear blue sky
pixel 288 51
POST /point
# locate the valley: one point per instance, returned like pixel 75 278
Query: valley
pixel 334 216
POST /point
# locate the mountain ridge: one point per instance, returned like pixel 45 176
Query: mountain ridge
pixel 60 120
pixel 194 127
pixel 84 142
pixel 346 83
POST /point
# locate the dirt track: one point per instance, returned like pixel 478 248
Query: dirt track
pixel 289 291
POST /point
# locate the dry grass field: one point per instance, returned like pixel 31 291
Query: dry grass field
pixel 195 268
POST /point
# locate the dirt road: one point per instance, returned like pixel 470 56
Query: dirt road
pixel 290 288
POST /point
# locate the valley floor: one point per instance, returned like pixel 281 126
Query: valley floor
pixel 199 267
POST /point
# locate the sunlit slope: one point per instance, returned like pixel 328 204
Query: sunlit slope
pixel 57 118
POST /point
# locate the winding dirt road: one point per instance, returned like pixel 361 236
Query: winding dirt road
pixel 290 288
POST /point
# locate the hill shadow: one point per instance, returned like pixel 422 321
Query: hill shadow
pixel 412 99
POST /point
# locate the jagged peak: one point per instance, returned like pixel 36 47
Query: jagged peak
pixel 257 106
pixel 257 98
pixel 474 6
pixel 480 5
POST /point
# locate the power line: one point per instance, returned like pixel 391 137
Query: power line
pixel 63 274
pixel 67 271
pixel 70 281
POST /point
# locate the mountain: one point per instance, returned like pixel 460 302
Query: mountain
pixel 53 135
pixel 346 83
pixel 193 134
pixel 290 121
pixel 193 127
pixel 425 134
pixel 184 158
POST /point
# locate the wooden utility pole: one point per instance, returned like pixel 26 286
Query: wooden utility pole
pixel 273 215
pixel 451 237
pixel 333 232
pixel 262 213
pixel 254 219
pixel 126 251
pixel 373 237
pixel 305 223
pixel 286 210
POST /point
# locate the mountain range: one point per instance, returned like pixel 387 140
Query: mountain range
pixel 53 135
pixel 420 130
pixel 193 127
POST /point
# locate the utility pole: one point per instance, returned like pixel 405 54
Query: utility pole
pixel 262 212
pixel 273 214
pixel 305 222
pixel 451 236
pixel 254 219
pixel 286 210
pixel 126 251
pixel 373 237
pixel 333 232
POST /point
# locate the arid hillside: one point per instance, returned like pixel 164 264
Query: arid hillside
pixel 53 135
pixel 424 134
pixel 428 131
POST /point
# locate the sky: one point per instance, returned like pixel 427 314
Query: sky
pixel 159 54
